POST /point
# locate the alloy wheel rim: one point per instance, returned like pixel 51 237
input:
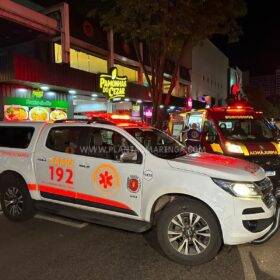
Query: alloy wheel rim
pixel 13 201
pixel 189 234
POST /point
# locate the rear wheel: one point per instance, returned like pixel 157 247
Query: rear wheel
pixel 16 202
pixel 188 232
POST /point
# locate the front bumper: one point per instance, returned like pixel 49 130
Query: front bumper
pixel 253 220
pixel 273 229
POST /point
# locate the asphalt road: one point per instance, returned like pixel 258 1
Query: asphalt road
pixel 46 249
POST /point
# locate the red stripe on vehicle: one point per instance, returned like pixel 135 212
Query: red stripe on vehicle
pixel 83 197
pixel 57 191
pixel 102 201
pixel 32 187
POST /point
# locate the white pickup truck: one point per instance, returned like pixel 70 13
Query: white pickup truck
pixel 134 177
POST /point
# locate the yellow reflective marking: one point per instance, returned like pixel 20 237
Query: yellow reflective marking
pixel 216 148
pixel 276 145
pixel 244 149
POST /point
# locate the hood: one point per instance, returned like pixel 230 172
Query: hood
pixel 220 167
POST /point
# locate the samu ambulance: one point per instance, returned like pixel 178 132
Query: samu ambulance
pixel 239 131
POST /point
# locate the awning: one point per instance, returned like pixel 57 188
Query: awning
pixel 135 91
pixel 30 71
pixel 176 100
pixel 26 69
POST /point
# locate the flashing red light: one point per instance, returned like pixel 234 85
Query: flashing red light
pixel 109 116
pixel 235 89
pixel 239 106
pixel 119 117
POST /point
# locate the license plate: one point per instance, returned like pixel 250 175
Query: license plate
pixel 270 173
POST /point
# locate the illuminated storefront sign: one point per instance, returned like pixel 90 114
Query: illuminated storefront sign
pixel 113 85
pixel 18 109
pixel 148 113
pixel 189 103
pixel 37 93
pixel 135 110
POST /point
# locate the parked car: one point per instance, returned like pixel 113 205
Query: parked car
pixel 118 173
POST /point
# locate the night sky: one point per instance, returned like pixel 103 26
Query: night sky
pixel 258 50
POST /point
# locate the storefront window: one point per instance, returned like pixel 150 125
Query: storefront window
pixel 184 90
pixel 57 52
pixel 166 86
pixel 82 61
pixel 132 74
pixel 74 59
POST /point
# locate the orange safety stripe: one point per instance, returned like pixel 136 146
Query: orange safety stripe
pixel 82 197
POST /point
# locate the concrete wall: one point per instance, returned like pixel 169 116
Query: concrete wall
pixel 209 71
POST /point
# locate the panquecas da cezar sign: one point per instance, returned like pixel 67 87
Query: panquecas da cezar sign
pixel 112 85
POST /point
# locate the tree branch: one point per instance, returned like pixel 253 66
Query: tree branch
pixel 175 72
pixel 140 59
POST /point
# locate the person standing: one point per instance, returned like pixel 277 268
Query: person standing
pixel 193 138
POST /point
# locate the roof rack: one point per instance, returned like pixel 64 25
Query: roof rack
pixel 71 120
pixel 88 121
pixel 100 120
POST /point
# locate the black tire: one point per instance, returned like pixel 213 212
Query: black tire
pixel 191 236
pixel 14 191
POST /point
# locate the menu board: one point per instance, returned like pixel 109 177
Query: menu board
pixel 18 109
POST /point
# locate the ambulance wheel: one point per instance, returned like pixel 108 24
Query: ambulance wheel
pixel 16 201
pixel 188 232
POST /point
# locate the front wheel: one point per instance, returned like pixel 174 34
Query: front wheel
pixel 16 202
pixel 188 232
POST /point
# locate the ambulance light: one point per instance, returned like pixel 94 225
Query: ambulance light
pixel 120 117
pixel 233 148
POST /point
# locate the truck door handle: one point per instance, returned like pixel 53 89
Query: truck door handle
pixel 42 159
pixel 84 165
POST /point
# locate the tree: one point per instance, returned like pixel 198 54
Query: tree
pixel 166 26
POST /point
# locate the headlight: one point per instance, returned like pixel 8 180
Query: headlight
pixel 245 190
pixel 233 148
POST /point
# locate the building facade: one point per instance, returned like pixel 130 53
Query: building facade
pixel 270 84
pixel 265 82
pixel 209 73
pixel 59 56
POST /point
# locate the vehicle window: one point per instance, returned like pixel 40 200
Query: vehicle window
pixel 245 130
pixel 108 144
pixel 177 129
pixel 211 132
pixel 65 139
pixel 195 119
pixel 16 136
pixel 157 142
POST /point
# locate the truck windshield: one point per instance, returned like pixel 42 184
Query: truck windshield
pixel 245 130
pixel 157 142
